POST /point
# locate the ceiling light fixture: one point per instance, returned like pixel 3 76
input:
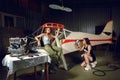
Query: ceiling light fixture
pixel 58 7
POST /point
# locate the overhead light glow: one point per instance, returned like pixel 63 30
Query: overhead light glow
pixel 58 7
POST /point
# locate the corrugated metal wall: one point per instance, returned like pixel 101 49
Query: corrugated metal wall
pixel 116 18
pixel 85 19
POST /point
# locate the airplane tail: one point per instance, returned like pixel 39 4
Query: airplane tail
pixel 108 29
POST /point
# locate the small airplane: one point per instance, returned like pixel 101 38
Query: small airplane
pixel 103 38
pixel 66 39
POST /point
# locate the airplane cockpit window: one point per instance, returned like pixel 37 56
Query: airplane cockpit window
pixel 66 33
pixel 61 36
pixel 107 33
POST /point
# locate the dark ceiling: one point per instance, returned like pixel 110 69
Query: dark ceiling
pixel 38 5
pixel 70 3
pixel 77 3
pixel 80 2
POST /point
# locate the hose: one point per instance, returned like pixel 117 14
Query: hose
pixel 100 72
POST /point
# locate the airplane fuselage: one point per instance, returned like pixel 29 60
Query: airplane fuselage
pixel 68 44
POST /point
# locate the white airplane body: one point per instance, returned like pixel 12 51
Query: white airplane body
pixel 68 42
pixel 68 38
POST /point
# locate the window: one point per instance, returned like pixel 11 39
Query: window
pixel 8 21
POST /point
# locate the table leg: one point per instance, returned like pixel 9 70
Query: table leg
pixel 7 77
pixel 47 71
pixel 35 72
pixel 15 76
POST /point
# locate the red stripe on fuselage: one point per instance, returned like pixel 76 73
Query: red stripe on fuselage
pixel 92 40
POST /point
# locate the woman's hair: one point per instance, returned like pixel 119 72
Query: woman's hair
pixel 44 30
pixel 87 41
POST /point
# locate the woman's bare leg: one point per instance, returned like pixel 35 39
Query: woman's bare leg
pixel 83 64
pixel 86 57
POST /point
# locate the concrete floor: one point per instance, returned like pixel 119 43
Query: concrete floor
pixel 105 60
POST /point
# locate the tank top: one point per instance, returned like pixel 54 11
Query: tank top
pixel 46 39
pixel 86 50
pixel 91 53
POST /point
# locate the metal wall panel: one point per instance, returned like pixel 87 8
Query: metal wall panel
pixel 85 19
pixel 116 18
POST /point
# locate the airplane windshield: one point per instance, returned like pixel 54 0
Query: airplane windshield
pixel 63 34
pixel 66 32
